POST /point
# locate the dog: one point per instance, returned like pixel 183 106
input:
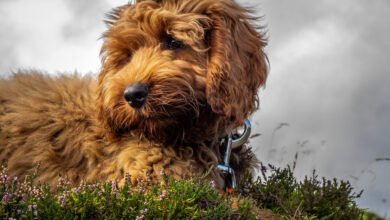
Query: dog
pixel 177 76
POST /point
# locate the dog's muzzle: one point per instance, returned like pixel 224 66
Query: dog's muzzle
pixel 136 94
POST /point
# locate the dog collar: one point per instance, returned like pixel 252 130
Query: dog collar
pixel 233 141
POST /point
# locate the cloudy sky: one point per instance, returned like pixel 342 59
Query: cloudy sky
pixel 327 96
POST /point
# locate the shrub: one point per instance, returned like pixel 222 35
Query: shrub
pixel 279 192
pixel 312 198
pixel 172 199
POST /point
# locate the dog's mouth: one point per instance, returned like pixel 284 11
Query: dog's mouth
pixel 160 120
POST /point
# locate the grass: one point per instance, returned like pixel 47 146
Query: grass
pixel 276 190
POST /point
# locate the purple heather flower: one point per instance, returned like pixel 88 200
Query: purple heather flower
pixel 144 211
pixel 141 217
pixel 77 190
pixel 163 195
pixel 6 198
pixel 30 208
pixel 141 189
pixel 114 187
pixel 4 178
pixel 213 184
pixel 8 179
pixel 62 199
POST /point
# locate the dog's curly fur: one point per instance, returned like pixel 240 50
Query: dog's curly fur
pixel 85 130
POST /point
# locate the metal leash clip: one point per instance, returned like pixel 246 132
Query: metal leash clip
pixel 232 143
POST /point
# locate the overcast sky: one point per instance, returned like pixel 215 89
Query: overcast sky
pixel 329 78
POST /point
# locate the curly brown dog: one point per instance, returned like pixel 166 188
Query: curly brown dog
pixel 176 77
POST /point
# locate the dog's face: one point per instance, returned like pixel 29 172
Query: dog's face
pixel 172 67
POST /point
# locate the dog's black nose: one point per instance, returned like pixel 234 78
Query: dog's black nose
pixel 136 94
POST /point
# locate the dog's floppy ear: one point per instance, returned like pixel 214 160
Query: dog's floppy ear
pixel 237 64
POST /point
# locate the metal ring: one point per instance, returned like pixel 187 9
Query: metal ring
pixel 244 137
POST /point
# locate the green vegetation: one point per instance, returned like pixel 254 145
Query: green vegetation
pixel 181 199
pixel 310 199
pixel 275 190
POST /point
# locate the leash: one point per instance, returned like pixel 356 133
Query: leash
pixel 233 142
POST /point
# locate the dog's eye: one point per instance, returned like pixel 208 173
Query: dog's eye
pixel 127 54
pixel 174 44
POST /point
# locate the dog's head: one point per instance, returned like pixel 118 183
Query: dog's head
pixel 172 68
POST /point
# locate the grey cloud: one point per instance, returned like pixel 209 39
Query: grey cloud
pixel 7 52
pixel 340 96
pixel 8 35
pixel 284 17
pixel 86 15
